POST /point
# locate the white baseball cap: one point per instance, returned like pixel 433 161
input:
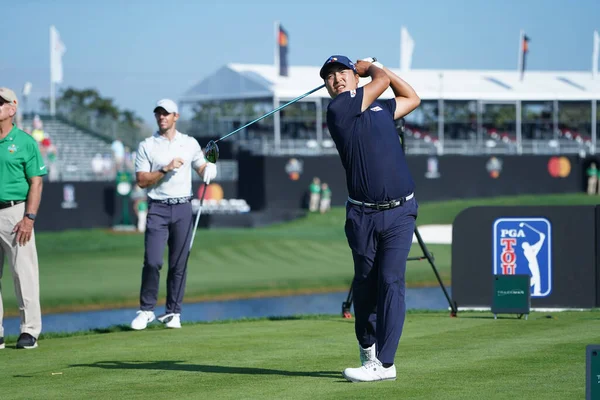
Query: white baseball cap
pixel 9 96
pixel 169 105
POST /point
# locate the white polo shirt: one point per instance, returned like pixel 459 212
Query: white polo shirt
pixel 157 152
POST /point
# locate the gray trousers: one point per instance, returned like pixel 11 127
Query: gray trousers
pixel 172 225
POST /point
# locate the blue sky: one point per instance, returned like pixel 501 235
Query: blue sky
pixel 139 51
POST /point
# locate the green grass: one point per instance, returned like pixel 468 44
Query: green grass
pixel 469 357
pixel 101 269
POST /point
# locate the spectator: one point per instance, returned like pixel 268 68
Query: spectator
pixel 52 163
pixel 140 206
pixel 118 151
pixel 325 203
pixel 315 192
pixel 128 160
pixel 37 122
pixel 164 166
pixel 19 202
pixel 108 168
pixel 592 173
pixel 98 166
pixel 38 129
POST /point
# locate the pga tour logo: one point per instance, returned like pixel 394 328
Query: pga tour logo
pixel 524 246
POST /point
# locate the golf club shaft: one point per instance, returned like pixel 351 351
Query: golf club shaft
pixel 531 227
pixel 272 112
pixel 198 216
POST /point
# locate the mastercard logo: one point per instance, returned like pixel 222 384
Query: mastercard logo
pixel 559 167
pixel 214 191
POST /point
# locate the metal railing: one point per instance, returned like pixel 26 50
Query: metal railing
pixel 290 147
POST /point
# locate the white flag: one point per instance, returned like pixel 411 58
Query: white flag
pixel 595 54
pixel 407 45
pixel 57 49
pixel 26 89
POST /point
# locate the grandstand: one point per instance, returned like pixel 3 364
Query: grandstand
pixel 75 148
pixel 462 112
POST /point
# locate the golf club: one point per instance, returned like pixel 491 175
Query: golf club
pixel 211 153
pixel 211 150
pixel 198 215
pixel 522 224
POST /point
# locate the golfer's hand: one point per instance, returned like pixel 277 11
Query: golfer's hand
pixel 209 173
pixel 23 230
pixel 362 67
pixel 176 163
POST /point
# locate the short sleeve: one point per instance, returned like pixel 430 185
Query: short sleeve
pixel 34 166
pixel 142 161
pixel 390 105
pixel 198 159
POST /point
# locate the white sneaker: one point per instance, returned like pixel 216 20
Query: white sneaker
pixel 367 354
pixel 171 320
pixel 370 372
pixel 142 320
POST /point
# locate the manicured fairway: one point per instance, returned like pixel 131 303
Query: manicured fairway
pixel 469 357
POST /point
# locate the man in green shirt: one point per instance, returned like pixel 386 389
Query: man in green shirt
pixel 592 173
pixel 315 193
pixel 21 171
pixel 325 203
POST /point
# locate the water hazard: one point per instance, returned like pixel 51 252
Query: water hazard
pixel 328 303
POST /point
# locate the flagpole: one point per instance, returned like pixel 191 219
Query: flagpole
pixel 595 54
pixel 276 120
pixel 52 100
pixel 594 125
pixel 401 44
pixel 520 62
pixel 277 48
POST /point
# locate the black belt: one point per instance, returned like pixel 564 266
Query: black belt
pixel 6 204
pixel 383 205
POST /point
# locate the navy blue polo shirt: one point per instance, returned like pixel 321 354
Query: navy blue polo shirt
pixel 369 148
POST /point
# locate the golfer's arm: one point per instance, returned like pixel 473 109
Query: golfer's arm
pixel 34 196
pixel 145 179
pixel 539 243
pixel 406 97
pixel 372 90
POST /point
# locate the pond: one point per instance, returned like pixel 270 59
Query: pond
pixel 327 303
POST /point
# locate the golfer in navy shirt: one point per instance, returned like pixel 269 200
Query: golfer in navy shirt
pixel 381 208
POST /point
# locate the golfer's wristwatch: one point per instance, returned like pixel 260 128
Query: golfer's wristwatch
pixel 31 216
pixel 162 170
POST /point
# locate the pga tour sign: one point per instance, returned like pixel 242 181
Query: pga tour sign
pixel 524 246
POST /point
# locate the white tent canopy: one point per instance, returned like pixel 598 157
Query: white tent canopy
pixel 250 81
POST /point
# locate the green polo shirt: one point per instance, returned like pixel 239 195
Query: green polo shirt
pixel 20 159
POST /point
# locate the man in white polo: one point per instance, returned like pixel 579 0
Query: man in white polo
pixel 163 166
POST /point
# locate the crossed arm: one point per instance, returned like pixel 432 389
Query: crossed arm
pixel 146 179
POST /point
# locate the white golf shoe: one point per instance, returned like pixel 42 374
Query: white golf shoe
pixel 367 354
pixel 370 372
pixel 171 320
pixel 142 320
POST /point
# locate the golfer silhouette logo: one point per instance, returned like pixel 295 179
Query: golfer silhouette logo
pixel 524 246
pixel 531 252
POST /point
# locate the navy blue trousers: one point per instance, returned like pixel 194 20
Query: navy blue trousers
pixel 380 242
pixel 172 225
